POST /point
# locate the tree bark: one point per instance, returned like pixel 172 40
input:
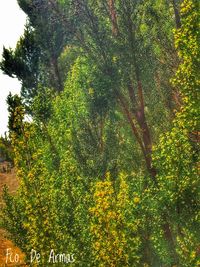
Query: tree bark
pixel 57 76
pixel 113 16
pixel 143 140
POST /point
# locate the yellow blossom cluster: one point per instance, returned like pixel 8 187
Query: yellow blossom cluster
pixel 107 226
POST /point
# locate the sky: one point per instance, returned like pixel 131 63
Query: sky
pixel 12 21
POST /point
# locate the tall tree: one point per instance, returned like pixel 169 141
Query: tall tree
pixel 23 63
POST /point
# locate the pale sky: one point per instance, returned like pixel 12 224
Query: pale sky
pixel 12 21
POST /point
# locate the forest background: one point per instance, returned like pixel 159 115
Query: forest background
pixel 108 161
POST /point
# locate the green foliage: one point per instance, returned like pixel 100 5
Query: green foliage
pixel 23 63
pixel 6 151
pixel 85 162
pixel 16 114
pixel 176 154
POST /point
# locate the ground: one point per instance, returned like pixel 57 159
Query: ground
pixel 11 181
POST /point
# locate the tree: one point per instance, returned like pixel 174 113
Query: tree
pixel 23 63
pixel 16 114
pixel 122 54
pixel 176 155
pixel 96 177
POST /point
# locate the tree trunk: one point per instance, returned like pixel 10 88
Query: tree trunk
pixel 144 141
pixel 113 17
pixel 56 72
pixel 176 13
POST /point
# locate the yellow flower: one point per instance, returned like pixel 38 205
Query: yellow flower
pixel 136 200
pixel 114 59
pixel 91 91
pixel 97 245
pixel 193 254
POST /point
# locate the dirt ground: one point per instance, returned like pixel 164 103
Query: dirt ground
pixel 6 246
